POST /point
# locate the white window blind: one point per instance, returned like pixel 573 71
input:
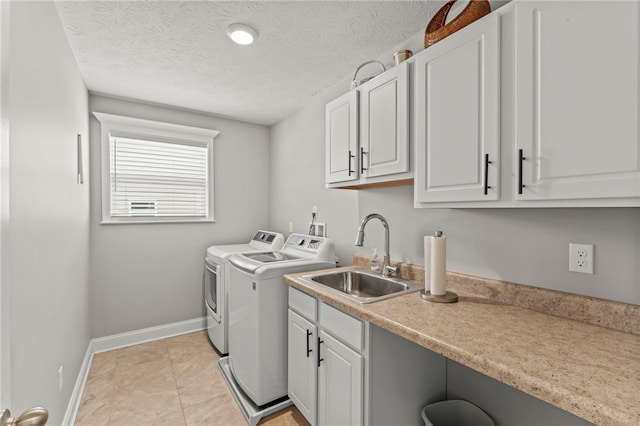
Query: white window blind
pixel 153 178
pixel 155 172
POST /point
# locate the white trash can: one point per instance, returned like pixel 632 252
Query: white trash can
pixel 455 412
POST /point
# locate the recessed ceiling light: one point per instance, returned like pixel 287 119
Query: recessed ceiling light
pixel 242 34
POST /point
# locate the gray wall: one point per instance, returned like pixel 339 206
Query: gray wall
pixel 297 178
pixel 144 275
pixel 49 211
pixel 505 405
pixel 526 246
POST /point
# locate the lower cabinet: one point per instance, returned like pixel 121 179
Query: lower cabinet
pixel 325 372
pixel 302 378
pixel 340 383
pixel 345 371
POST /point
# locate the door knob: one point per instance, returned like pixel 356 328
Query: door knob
pixel 36 416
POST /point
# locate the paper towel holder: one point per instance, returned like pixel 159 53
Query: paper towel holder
pixel 448 297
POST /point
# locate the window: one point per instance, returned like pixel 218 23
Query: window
pixel 155 172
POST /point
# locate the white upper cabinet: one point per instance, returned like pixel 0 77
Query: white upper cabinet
pixel 384 123
pixel 457 115
pixel 537 104
pixel 577 100
pixel 367 132
pixel 341 134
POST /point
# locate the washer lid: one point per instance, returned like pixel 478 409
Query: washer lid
pixel 261 241
pixel 270 256
pixel 250 262
pixel 222 252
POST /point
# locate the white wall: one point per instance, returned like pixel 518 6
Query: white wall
pixel 49 229
pixel 144 275
pixel 5 290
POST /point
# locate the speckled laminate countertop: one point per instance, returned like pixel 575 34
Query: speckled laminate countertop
pixel 587 370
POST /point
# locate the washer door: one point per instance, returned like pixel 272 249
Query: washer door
pixel 213 288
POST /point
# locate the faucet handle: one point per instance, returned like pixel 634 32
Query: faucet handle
pixel 389 270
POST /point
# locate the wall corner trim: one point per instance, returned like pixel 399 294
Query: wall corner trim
pixel 78 388
pixel 122 340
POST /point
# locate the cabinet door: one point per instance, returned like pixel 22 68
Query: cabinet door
pixel 576 100
pixel 341 138
pixel 384 123
pixel 302 378
pixel 340 383
pixel 458 114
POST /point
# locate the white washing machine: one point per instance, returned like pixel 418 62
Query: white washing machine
pixel 216 280
pixel 258 299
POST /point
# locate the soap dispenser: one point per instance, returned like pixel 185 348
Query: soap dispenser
pixel 375 267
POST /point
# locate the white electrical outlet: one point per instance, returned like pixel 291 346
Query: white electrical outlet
pixel 581 258
pixel 318 229
pixel 60 379
pixel 314 209
pixel 290 227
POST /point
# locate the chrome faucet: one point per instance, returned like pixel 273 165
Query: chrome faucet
pixel 387 269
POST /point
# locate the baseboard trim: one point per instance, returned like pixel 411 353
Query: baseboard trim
pixel 78 388
pixel 123 340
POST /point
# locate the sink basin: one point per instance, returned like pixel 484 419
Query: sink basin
pixel 362 286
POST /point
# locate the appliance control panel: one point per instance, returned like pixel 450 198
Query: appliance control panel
pixel 320 247
pixel 263 236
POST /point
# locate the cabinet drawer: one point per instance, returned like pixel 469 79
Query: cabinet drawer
pixel 303 304
pixel 345 327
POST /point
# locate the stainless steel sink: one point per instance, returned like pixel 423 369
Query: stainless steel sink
pixel 362 286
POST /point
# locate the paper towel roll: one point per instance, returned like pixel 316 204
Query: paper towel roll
pixel 427 263
pixel 438 265
pixel 435 264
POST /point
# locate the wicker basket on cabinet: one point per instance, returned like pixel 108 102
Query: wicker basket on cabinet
pixel 437 29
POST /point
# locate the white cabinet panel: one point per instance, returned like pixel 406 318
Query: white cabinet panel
pixel 367 133
pixel 341 138
pixel 345 327
pixel 303 304
pixel 384 123
pixel 340 384
pixel 577 100
pixel 457 113
pixel 302 356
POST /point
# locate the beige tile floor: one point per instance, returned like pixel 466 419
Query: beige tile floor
pixel 174 382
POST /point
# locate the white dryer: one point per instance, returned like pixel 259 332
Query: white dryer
pixel 258 299
pixel 216 280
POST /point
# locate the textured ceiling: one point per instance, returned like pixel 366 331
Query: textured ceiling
pixel 177 53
